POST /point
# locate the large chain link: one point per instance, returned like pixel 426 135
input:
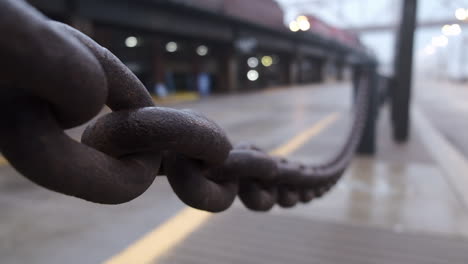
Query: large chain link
pixel 53 77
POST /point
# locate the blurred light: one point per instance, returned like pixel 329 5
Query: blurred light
pixel 131 42
pixel 303 23
pixel 302 18
pixel 440 41
pixel 171 46
pixel 446 30
pixel 202 50
pixel 461 13
pixel 429 50
pixel 252 75
pixel 456 29
pixel 267 61
pixel 252 62
pixel 451 30
pixel 294 26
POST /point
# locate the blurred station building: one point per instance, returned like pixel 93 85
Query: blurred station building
pixel 210 46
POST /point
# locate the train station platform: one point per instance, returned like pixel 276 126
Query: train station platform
pixel 406 204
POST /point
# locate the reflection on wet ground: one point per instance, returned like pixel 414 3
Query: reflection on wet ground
pixel 402 188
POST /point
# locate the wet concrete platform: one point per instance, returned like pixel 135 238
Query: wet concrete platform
pixel 446 105
pixel 402 188
pixel 403 192
pixel 237 237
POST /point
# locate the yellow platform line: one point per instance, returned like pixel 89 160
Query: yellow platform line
pixel 302 138
pixel 165 237
pixel 177 98
pixel 3 161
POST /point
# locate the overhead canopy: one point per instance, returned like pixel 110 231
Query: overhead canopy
pixel 262 12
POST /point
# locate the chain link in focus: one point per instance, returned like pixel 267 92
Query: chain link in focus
pixel 54 77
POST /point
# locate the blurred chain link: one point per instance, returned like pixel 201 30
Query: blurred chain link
pixel 53 77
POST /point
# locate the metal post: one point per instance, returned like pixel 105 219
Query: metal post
pixel 367 145
pixel 318 73
pixel 292 70
pixel 339 70
pixel 229 70
pixel 401 92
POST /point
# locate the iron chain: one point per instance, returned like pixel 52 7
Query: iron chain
pixel 53 77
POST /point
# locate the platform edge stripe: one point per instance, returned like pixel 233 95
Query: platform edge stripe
pixel 452 162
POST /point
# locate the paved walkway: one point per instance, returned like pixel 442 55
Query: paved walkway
pixel 404 192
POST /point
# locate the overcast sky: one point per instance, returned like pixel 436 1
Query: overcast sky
pixel 361 13
pixel 355 13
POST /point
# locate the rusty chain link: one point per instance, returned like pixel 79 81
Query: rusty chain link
pixel 53 77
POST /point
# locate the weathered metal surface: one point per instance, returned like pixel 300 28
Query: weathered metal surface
pixel 47 63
